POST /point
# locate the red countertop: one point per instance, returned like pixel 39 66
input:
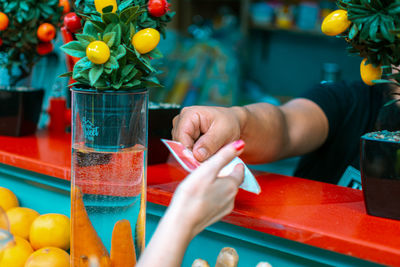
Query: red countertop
pixel 314 213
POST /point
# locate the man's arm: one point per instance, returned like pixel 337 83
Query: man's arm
pixel 270 132
pixel 275 132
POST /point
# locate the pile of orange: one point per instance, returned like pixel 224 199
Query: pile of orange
pixel 39 240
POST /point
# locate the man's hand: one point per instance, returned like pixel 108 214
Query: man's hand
pixel 206 129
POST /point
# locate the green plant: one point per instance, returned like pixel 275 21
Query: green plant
pixel 374 34
pixel 19 39
pixel 125 68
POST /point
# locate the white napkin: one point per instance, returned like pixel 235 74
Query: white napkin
pixel 185 157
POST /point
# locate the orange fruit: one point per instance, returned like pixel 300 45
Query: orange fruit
pixel 335 23
pixel 15 255
pixel 66 6
pixel 8 199
pixel 4 21
pixel 46 32
pixel 369 72
pixel 50 230
pixel 20 220
pixel 48 257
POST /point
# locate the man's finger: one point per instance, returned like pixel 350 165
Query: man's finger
pixel 209 143
pixel 186 131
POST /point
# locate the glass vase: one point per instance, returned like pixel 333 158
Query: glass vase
pixel 108 184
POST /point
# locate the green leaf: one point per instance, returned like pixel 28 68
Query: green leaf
pixel 101 84
pixel 81 76
pixel 132 84
pixel 118 34
pixel 155 54
pixel 89 29
pixel 353 31
pixel 151 84
pixel 74 49
pixel 117 85
pixel 128 12
pixel 83 64
pixel 109 28
pixel 387 26
pixel 385 81
pixel 24 6
pixel 112 63
pixel 107 70
pixel 392 101
pixel 95 73
pixel 121 52
pixel 100 26
pixel 109 39
pixel 10 6
pixel 131 76
pixel 85 39
pixel 373 28
pixel 107 9
pixel 133 17
pixel 66 75
pixel 109 18
pixel 394 11
pixel 127 70
pixel 124 4
pixel 132 31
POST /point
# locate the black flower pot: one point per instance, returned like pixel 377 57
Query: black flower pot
pixel 20 109
pixel 160 126
pixel 380 172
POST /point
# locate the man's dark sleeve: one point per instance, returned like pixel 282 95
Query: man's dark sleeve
pixel 335 100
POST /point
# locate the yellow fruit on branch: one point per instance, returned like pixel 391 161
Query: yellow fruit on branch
pixel 50 230
pixel 100 4
pixel 146 40
pixel 335 23
pixel 20 220
pixel 369 72
pixel 98 52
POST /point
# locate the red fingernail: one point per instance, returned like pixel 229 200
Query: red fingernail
pixel 238 145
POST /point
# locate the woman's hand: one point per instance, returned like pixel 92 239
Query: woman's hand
pixel 203 197
pixel 200 200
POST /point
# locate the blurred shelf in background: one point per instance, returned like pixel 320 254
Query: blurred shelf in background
pixel 294 30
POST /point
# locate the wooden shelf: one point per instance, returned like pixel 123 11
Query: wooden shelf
pixel 293 30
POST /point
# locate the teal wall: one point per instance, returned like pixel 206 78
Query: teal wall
pixel 287 63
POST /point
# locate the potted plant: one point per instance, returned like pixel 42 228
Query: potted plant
pixel 372 30
pixel 115 47
pixel 27 29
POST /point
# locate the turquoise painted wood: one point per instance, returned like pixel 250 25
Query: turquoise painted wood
pixel 47 194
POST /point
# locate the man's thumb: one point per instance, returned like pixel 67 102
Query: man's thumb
pixel 205 147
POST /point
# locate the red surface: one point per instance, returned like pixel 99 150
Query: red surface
pixel 60 116
pixel 318 214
